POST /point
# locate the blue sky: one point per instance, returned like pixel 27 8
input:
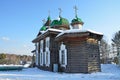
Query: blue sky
pixel 20 20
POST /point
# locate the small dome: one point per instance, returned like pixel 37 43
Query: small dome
pixel 63 21
pixel 77 21
pixel 55 23
pixel 60 22
pixel 48 22
pixel 43 28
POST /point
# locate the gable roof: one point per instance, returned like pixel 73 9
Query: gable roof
pixel 45 33
pixel 66 33
pixel 77 33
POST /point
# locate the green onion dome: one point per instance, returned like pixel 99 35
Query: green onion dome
pixel 43 28
pixel 55 23
pixel 63 21
pixel 48 22
pixel 60 22
pixel 77 21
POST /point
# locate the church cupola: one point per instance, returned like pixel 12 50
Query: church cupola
pixel 76 23
pixel 48 22
pixel 61 23
pixel 43 28
pixel 46 25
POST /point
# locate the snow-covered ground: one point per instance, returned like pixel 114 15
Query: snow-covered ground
pixel 109 72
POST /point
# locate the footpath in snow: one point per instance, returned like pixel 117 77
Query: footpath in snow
pixel 109 72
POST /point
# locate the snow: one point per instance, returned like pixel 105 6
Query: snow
pixel 42 32
pixel 10 65
pixel 109 72
pixel 52 29
pixel 95 32
pixel 26 65
pixel 77 30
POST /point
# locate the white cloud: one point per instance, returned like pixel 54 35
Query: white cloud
pixel 5 39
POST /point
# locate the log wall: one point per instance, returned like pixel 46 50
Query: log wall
pixel 83 57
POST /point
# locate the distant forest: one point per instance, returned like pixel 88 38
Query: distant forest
pixel 14 59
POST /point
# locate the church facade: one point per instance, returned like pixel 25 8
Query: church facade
pixel 61 48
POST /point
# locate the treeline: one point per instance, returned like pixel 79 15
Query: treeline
pixel 14 59
pixel 110 52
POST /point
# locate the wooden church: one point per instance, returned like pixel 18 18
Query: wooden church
pixel 61 46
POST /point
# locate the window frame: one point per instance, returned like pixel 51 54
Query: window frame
pixel 36 53
pixel 61 57
pixel 47 51
pixel 41 52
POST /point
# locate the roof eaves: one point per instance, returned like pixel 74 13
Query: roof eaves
pixel 45 33
pixel 94 32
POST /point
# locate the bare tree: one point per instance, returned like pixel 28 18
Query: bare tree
pixel 104 51
pixel 116 41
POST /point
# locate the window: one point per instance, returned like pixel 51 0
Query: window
pixel 63 55
pixel 47 42
pixel 36 53
pixel 47 51
pixel 36 58
pixel 41 52
pixel 46 57
pixel 41 44
pixel 41 58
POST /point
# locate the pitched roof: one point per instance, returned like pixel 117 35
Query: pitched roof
pixel 45 33
pixel 77 33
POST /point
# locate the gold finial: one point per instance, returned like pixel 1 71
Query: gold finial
pixel 75 7
pixel 60 11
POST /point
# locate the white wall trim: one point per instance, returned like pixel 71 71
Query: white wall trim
pixel 41 58
pixel 47 64
pixel 63 47
pixel 36 54
pixel 47 40
pixel 41 45
pixel 41 52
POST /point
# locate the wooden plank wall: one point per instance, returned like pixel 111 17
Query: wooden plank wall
pixel 77 60
pixel 83 57
pixel 54 53
pixel 93 58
